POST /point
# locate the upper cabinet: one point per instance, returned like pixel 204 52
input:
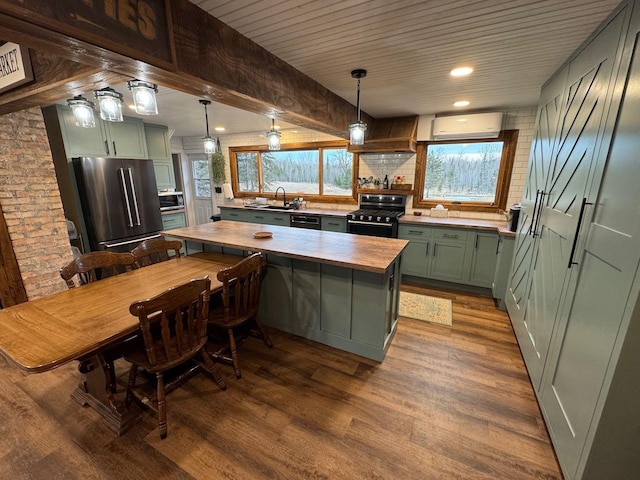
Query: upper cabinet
pixel 124 139
pixel 159 150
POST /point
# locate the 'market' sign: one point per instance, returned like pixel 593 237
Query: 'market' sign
pixel 15 68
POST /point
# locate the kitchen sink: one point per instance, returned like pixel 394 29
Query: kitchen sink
pixel 278 207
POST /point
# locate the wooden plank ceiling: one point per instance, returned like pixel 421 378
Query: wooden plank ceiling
pixel 409 46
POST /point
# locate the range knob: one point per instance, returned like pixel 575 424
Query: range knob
pixel 361 217
pixel 370 217
pixel 388 219
pixel 378 219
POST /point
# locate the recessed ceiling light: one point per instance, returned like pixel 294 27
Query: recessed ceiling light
pixel 276 127
pixel 461 71
pixel 461 103
pixel 219 129
pixel 132 106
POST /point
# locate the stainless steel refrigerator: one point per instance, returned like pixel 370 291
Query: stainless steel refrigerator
pixel 119 200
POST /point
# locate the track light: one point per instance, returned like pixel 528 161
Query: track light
pixel 144 97
pixel 82 111
pixel 110 103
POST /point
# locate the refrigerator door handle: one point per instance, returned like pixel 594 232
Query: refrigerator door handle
pixel 126 196
pixel 128 242
pixel 135 197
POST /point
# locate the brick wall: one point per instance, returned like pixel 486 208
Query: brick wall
pixel 31 202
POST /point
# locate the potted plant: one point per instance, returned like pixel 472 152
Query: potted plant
pixel 218 162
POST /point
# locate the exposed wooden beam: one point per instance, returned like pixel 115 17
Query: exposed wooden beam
pixel 56 78
pixel 204 57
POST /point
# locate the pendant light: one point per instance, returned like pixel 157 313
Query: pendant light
pixel 273 136
pixel 110 103
pixel 82 110
pixel 357 128
pixel 144 97
pixel 209 143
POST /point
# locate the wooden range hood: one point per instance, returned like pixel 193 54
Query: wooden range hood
pixel 390 135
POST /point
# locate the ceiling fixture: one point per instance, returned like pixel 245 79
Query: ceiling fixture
pixel 461 71
pixel 219 129
pixel 144 96
pixel 110 103
pixel 357 128
pixel 273 136
pixel 461 103
pixel 209 143
pixel 82 110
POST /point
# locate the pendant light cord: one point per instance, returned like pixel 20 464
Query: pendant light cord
pixel 206 119
pixel 358 99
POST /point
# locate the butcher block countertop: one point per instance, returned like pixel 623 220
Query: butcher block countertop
pixel 501 227
pixel 373 254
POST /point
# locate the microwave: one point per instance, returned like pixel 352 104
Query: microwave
pixel 171 201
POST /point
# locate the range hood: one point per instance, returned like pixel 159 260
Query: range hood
pixel 389 135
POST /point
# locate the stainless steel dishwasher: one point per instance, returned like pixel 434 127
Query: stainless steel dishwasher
pixel 305 221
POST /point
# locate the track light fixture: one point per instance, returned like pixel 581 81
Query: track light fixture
pixel 144 96
pixel 82 110
pixel 110 103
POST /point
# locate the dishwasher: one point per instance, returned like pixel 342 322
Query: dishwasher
pixel 305 221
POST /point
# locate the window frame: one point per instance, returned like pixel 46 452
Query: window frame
pixel 319 146
pixel 195 180
pixel 509 139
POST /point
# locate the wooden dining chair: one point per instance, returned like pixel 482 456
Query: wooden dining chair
pixel 155 250
pixel 92 266
pixel 236 312
pixel 174 331
pixel 89 267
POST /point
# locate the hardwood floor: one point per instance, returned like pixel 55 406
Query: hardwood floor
pixel 446 403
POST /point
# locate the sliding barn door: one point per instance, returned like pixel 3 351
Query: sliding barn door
pixel 585 104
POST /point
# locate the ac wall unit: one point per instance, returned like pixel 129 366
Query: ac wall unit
pixel 477 125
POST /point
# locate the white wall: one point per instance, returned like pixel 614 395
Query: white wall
pixel 379 165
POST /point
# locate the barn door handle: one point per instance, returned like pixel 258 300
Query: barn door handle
pixel 533 217
pixel 575 238
pixel 540 206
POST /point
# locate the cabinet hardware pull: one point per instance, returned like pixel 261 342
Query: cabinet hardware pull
pixel 476 247
pixel 258 216
pixel 435 247
pixel 416 232
pixel 498 245
pixel 533 216
pixel 391 279
pixel 126 196
pixel 427 252
pixel 115 152
pixel 575 238
pixel 539 215
pixel 106 147
pixel 448 235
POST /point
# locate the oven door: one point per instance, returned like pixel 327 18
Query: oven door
pixel 373 229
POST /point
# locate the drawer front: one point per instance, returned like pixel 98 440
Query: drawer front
pixel 174 220
pixel 232 214
pixel 413 232
pixel 281 219
pixel 333 224
pixel 450 234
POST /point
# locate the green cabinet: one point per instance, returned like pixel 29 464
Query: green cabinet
pixel 159 150
pixel 506 247
pixel 268 218
pixel 334 224
pixel 124 139
pixel 174 220
pixel 455 255
pixel 484 258
pixel 234 214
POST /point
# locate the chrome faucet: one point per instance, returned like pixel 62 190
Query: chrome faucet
pixel 284 195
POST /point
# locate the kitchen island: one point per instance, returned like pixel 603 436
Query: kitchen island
pixel 335 288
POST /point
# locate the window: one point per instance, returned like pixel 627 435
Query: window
pixel 201 178
pixel 321 171
pixel 465 174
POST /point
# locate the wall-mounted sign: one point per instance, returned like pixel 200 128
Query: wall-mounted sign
pixel 15 66
pixel 136 28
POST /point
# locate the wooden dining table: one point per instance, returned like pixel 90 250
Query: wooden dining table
pixel 85 322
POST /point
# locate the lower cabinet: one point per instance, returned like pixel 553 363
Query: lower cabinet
pixel 268 218
pixel 234 214
pixel 333 224
pixel 451 254
pixel 174 220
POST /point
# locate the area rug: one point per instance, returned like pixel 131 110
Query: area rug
pixel 423 307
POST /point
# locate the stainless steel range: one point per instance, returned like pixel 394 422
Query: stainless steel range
pixel 378 215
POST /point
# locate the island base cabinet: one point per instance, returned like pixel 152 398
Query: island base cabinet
pixel 349 309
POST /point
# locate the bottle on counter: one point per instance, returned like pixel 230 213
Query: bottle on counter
pixel 385 182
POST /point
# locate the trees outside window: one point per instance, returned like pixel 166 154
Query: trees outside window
pixel 465 174
pixel 201 178
pixel 318 171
